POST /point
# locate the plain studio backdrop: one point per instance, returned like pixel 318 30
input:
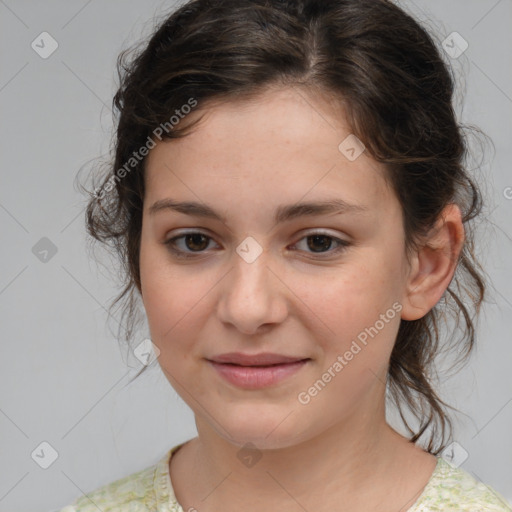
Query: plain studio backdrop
pixel 64 388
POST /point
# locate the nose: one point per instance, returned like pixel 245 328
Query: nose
pixel 252 295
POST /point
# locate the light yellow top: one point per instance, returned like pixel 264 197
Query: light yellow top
pixel 150 490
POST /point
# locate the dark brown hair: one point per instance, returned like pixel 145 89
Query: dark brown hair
pixel 386 71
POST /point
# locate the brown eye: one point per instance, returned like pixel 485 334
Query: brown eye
pixel 196 241
pixel 192 242
pixel 322 242
pixel 319 243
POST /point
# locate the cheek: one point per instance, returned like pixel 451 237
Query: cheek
pixel 174 300
pixel 164 296
pixel 357 292
pixel 359 344
pixel 171 323
pixel 348 307
pixel 169 302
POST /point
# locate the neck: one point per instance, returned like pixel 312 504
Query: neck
pixel 353 460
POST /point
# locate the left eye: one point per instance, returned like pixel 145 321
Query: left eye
pixel 197 242
pixel 324 242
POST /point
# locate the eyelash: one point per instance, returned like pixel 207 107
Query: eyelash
pixel 342 245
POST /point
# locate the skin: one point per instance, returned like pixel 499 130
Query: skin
pixel 245 159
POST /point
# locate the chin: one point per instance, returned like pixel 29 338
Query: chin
pixel 264 431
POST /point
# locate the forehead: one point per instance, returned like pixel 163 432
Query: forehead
pixel 284 141
pixel 277 116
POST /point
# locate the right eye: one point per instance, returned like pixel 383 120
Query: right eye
pixel 196 241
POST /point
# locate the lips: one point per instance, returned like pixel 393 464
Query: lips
pixel 262 359
pixel 256 371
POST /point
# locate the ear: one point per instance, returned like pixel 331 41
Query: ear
pixel 434 264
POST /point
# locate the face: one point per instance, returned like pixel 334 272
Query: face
pixel 324 288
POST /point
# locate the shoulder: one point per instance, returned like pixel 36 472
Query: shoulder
pixel 454 489
pixel 144 491
pixel 133 492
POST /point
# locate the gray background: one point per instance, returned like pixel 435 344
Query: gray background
pixel 63 377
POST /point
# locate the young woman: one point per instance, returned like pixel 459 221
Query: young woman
pixel 289 200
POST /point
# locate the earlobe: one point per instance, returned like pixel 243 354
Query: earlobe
pixel 434 264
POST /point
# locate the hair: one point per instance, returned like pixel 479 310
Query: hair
pixel 396 90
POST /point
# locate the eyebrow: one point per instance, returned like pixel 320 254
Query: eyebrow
pixel 283 213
